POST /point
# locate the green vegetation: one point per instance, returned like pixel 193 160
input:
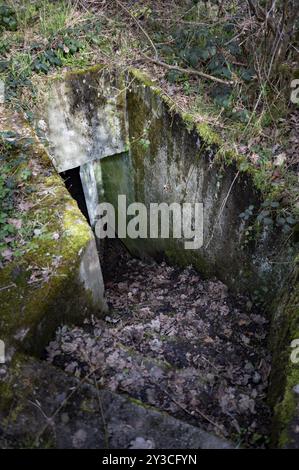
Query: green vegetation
pixel 46 36
pixel 15 229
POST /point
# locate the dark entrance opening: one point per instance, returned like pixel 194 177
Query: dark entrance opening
pixel 74 186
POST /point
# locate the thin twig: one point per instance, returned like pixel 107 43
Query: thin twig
pixel 188 71
pixel 8 287
pixel 187 411
pixel 106 434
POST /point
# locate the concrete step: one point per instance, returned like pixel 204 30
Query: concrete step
pixel 195 377
pixel 46 407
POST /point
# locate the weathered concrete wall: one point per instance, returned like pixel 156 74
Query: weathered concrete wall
pixel 81 423
pixel 161 156
pixel 58 279
pixel 172 159
pixel 284 383
pixel 86 118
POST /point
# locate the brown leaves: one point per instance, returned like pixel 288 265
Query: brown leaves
pixel 176 342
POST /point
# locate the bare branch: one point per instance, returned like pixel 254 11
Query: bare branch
pixel 188 71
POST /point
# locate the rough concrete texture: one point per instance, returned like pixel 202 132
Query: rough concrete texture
pixel 90 274
pixel 90 189
pixel 48 408
pixel 86 119
pixel 168 159
pixel 58 277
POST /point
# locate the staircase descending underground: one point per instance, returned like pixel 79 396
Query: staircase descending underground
pixel 175 344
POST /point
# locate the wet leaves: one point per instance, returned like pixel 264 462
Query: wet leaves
pixel 178 343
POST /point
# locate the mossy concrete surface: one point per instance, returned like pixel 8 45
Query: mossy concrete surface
pixel 46 408
pixel 284 385
pixel 162 155
pixel 57 278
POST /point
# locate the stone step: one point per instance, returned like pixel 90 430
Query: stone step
pixel 204 384
pixel 153 381
pixel 46 407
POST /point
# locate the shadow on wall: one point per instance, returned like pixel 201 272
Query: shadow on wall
pixel 74 186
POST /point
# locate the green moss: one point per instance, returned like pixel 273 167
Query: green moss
pixel 209 136
pixel 6 397
pixel 183 258
pixel 146 406
pixel 285 375
pixel 35 309
pixel 142 77
pixel 87 406
pixel 8 408
pixel 16 392
pixel 260 178
pixel 286 410
pixel 82 71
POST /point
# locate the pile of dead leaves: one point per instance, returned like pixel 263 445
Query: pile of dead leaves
pixel 178 343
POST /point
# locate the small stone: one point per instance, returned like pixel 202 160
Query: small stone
pixel 141 443
pixel 211 377
pixel 296 389
pixel 79 438
pixel 256 378
pixel 65 418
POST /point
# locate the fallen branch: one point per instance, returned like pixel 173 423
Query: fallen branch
pixel 8 287
pixel 188 71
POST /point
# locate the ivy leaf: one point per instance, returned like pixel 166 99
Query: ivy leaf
pixel 246 74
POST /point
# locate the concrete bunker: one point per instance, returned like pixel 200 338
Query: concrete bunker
pixel 113 133
pixel 127 138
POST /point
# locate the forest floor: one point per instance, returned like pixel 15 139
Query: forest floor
pixel 176 342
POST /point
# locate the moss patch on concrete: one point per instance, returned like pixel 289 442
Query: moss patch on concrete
pixel 285 373
pixel 41 289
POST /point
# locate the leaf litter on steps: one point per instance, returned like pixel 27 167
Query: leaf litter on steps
pixel 179 343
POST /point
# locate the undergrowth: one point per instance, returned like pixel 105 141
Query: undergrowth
pixel 42 37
